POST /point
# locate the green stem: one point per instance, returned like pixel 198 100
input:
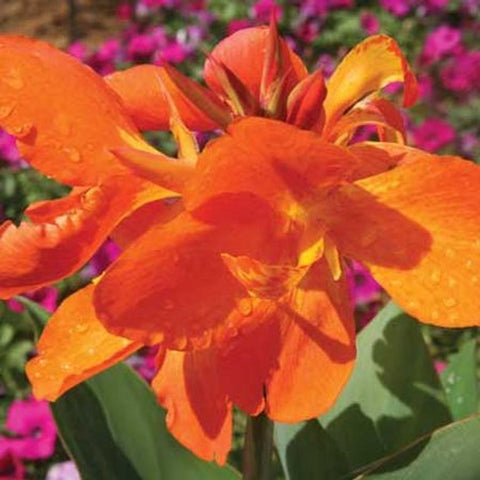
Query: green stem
pixel 258 448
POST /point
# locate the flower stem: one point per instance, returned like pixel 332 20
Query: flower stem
pixel 258 448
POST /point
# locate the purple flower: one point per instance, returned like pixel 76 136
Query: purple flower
pixel 141 47
pixel 34 431
pixel 327 63
pixel 443 41
pixel 370 23
pixel 63 471
pixel 399 8
pixel 433 134
pixel 462 74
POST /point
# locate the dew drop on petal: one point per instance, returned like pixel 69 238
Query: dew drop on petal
pixel 81 327
pixel 474 279
pixel 73 154
pixel 452 282
pixel 436 276
pixel 6 110
pixel 21 131
pixel 435 315
pixel 245 306
pixel 168 305
pixel 13 79
pixel 449 302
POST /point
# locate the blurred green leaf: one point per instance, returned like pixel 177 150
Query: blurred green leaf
pixel 449 453
pixel 114 429
pixel 460 381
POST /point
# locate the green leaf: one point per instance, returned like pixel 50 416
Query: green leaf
pixel 36 312
pixel 449 453
pixel 460 381
pixel 306 452
pixel 392 398
pixel 113 428
pixel 394 395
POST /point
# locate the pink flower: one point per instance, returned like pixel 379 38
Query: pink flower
pixel 462 73
pixel 443 41
pixel 308 31
pixel 363 287
pixel 327 63
pixel 78 50
pixel 370 23
pixel 47 297
pixel 63 471
pixel 238 24
pixel 440 366
pixel 425 84
pixel 399 8
pixel 433 134
pixel 124 11
pixel 173 52
pixel 263 9
pixel 141 47
pixel 105 255
pixel 32 424
pixel 11 467
pixel 8 149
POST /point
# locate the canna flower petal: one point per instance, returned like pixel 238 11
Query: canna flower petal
pixel 419 235
pixel 144 101
pixel 355 78
pixel 199 414
pixel 64 116
pixel 275 162
pixel 73 347
pixel 68 230
pixel 244 54
pixel 182 277
pixel 317 348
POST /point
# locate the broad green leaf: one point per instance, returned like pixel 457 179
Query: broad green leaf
pixel 307 452
pixel 460 381
pixel 394 395
pixel 449 453
pixel 113 428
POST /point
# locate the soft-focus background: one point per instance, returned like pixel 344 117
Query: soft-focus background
pixel 439 37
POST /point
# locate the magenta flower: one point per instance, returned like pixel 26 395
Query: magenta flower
pixel 262 9
pixel 141 47
pixel 46 297
pixel 8 150
pixel 124 11
pixel 11 467
pixel 370 23
pixel 173 52
pixel 78 50
pixel 34 431
pixel 238 24
pixel 443 41
pixel 433 134
pixel 426 86
pixel 105 255
pixel 399 8
pixel 462 74
pixel 363 288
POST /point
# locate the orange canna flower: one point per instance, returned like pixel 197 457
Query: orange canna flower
pixel 241 281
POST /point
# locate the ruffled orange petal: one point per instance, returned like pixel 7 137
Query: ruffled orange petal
pixel 142 96
pixel 199 414
pixel 73 347
pixel 370 66
pixel 265 160
pixel 64 116
pixel 175 275
pixel 64 234
pixel 244 52
pixel 428 233
pixel 317 349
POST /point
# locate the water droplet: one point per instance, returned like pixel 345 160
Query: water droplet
pixel 452 282
pixel 181 343
pixel 73 154
pixel 476 243
pixel 42 362
pixel 449 302
pixel 474 279
pixel 412 304
pixel 449 253
pixel 435 315
pixel 66 366
pixel 453 316
pixel 21 131
pixel 469 264
pixel 6 110
pixel 168 305
pixel 37 375
pixel 89 147
pixel 13 79
pixel 245 306
pixel 435 276
pixel 91 351
pixel 81 327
